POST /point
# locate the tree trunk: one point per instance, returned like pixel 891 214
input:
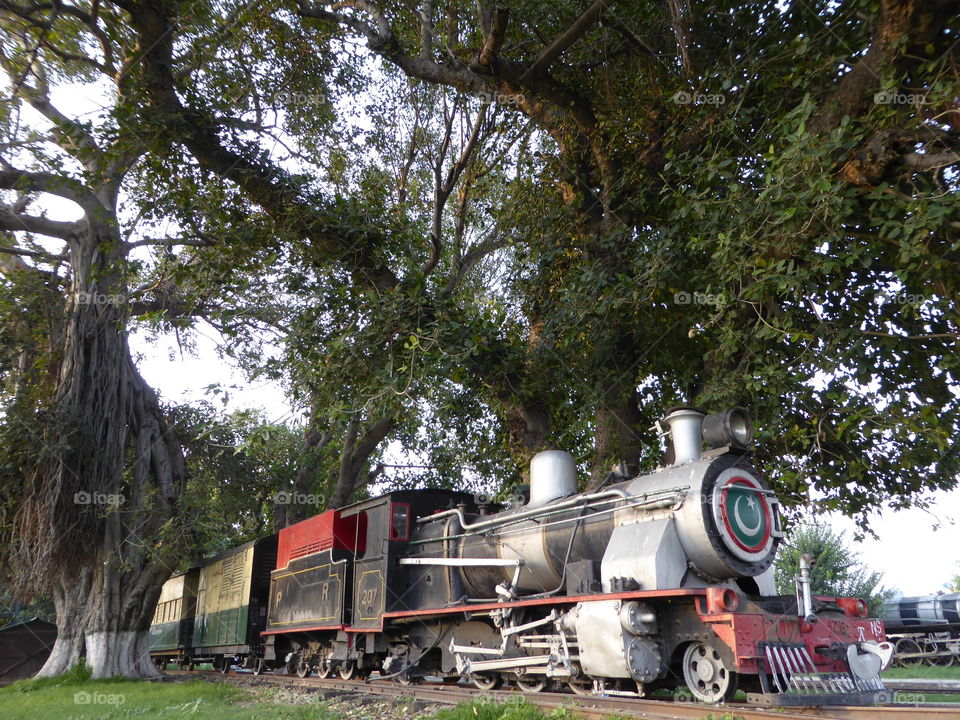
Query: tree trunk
pixel 69 600
pixel 617 434
pixel 528 427
pixel 94 511
pixel 112 643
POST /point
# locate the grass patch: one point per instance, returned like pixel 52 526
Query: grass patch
pixel 513 709
pixel 74 696
pixel 923 672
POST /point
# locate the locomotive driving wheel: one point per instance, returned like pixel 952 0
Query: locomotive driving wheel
pixel 581 686
pixel 908 646
pixel 531 683
pixel 323 669
pixel 705 673
pixel 348 670
pixel 303 669
pixel 486 681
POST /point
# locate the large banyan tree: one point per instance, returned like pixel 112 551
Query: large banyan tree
pixel 92 472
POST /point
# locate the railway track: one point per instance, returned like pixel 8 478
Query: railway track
pixel 588 707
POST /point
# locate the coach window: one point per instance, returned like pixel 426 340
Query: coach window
pixel 400 521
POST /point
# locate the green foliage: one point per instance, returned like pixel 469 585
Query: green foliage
pixel 820 290
pixel 954 584
pixel 837 571
pixel 238 463
pixel 73 696
pixel 14 609
pixel 513 709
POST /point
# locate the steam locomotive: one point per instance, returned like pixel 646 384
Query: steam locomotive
pixel 925 629
pixel 661 581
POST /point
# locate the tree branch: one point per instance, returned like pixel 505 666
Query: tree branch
pixel 903 26
pixel 18 222
pixel 494 39
pixel 378 37
pixel 568 37
pixel 263 182
pixel 59 185
pixel 20 252
pixel 193 242
pixel 917 161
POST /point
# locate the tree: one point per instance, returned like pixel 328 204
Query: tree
pixel 91 469
pixel 837 569
pixel 954 584
pixel 242 469
pixel 629 285
pixel 663 121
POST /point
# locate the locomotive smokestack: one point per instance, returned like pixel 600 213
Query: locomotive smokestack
pixel 553 475
pixel 686 433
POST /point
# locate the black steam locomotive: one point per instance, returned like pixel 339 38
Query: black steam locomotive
pixel 925 629
pixel 659 581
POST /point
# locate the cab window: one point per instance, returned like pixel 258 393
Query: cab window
pixel 400 521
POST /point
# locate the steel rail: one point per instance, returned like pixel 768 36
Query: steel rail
pixel 587 706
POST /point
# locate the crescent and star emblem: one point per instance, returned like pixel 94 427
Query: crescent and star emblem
pixel 752 507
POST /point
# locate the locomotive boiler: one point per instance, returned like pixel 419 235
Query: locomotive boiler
pixel 660 581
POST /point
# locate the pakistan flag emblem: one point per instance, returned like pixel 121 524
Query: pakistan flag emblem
pixel 746 516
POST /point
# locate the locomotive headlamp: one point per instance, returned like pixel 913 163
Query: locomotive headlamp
pixel 732 428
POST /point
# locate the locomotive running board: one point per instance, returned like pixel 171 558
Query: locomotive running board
pixel 797 682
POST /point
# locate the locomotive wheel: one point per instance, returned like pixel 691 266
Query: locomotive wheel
pixel 348 670
pixel 303 669
pixel 581 686
pixel 224 666
pixel 323 669
pixel 259 665
pixel 486 681
pixel 908 646
pixel 937 660
pixel 708 678
pixel 531 684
